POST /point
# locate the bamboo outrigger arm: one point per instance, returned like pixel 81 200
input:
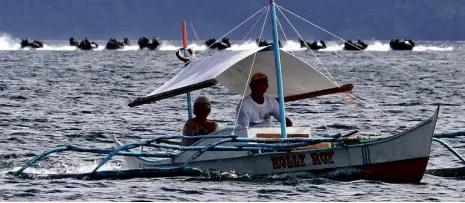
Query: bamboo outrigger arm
pixel 343 88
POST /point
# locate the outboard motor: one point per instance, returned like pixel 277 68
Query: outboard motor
pixel 143 42
pixel 210 43
pixel 323 44
pixel 126 41
pixel 262 43
pixel 226 42
pixel 155 43
pixel 73 42
pixel 24 43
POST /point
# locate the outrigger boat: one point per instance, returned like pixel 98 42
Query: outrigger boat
pixel 400 158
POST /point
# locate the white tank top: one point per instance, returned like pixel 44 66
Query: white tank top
pixel 253 114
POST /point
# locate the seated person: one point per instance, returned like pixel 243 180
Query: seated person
pixel 199 125
pixel 257 108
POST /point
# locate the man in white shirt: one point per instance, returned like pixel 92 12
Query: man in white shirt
pixel 257 108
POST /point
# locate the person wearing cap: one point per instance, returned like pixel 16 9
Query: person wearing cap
pixel 199 125
pixel 257 108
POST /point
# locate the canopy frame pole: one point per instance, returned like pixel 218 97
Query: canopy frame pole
pixel 186 53
pixel 277 60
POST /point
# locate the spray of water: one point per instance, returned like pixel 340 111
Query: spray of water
pixel 333 46
pixel 169 47
pixel 378 46
pixel 291 45
pixel 432 48
pixel 7 43
pixel 249 44
pixel 62 168
pixel 130 48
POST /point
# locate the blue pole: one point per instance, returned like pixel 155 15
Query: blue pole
pixel 189 98
pixel 189 105
pixel 277 61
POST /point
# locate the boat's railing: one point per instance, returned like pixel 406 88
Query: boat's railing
pixel 242 144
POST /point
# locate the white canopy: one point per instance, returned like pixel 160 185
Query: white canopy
pixel 231 69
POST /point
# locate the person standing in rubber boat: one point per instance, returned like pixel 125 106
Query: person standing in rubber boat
pixel 257 108
pixel 199 125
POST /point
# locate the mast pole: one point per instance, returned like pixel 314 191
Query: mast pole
pixel 186 53
pixel 277 60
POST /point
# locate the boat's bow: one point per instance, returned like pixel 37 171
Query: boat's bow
pixel 402 157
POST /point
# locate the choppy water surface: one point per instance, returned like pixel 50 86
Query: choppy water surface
pixel 59 95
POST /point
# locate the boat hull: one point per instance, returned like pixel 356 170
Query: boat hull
pixel 400 158
pixel 402 171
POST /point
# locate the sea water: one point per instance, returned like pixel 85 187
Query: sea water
pixel 59 95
